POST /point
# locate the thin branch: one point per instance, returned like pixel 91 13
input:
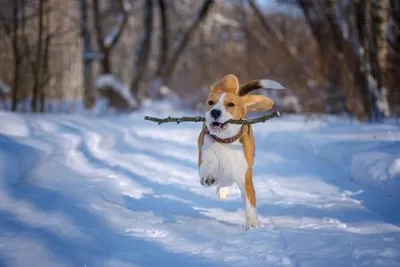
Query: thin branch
pixel 119 26
pixel 262 119
pixel 180 46
pixel 279 39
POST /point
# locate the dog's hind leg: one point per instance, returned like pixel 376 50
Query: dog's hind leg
pixel 249 197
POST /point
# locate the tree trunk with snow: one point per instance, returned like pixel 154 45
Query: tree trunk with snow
pixel 395 55
pixel 380 27
pixel 108 42
pixel 358 94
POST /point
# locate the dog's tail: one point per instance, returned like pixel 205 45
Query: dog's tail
pixel 259 84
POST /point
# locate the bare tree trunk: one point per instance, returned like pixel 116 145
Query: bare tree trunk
pixel 164 44
pixel 16 54
pixel 183 42
pixel 280 41
pixel 107 43
pixel 45 72
pixel 395 56
pixel 163 74
pixel 380 28
pixel 358 94
pixel 144 49
pixel 325 48
pixel 87 55
pixel 38 63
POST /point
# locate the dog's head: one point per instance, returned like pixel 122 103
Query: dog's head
pixel 225 102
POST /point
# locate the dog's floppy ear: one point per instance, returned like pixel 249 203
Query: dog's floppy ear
pixel 228 84
pixel 257 102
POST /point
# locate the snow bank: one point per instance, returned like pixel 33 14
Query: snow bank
pixel 378 169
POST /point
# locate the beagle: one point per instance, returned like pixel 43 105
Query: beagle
pixel 226 151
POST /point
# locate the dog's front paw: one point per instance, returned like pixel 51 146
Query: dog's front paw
pixel 208 181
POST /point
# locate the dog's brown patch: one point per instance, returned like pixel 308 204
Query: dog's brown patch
pixel 257 102
pixel 249 152
pixel 200 143
pixel 228 84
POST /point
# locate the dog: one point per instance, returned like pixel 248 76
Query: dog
pixel 226 151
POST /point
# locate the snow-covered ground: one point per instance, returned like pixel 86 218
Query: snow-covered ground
pixel 82 190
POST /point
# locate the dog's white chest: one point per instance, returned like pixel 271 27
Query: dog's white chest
pixel 229 162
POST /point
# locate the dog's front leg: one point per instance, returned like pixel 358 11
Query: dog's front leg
pixel 208 169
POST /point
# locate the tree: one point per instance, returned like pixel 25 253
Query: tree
pixel 108 42
pixel 163 76
pixel 87 54
pixel 16 54
pixel 143 51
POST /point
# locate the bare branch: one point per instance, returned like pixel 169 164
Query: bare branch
pixel 180 46
pixel 122 20
pixel 278 38
pixel 262 119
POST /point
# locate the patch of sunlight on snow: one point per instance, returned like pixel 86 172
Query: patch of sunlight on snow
pixel 13 125
pixel 183 136
pixel 375 169
pixel 205 237
pixel 291 191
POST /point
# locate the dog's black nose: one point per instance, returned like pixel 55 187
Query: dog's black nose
pixel 215 113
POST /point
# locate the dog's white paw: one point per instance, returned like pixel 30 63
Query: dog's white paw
pixel 222 192
pixel 252 222
pixel 208 181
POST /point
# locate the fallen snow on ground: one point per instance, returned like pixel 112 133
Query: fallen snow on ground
pixel 82 190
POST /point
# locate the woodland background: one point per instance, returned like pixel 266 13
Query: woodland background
pixel 333 56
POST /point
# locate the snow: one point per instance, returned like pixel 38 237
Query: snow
pixel 112 82
pixel 4 89
pixel 88 190
pixel 109 39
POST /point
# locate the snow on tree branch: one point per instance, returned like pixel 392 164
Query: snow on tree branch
pixel 4 89
pixel 122 20
pixel 113 83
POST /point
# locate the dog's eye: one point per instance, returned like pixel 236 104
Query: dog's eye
pixel 211 102
pixel 230 104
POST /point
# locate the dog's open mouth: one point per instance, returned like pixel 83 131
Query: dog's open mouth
pixel 218 125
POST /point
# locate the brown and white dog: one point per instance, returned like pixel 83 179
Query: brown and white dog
pixel 226 151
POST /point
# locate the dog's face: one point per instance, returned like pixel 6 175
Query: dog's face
pixel 223 103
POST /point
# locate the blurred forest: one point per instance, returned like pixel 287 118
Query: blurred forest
pixel 333 56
